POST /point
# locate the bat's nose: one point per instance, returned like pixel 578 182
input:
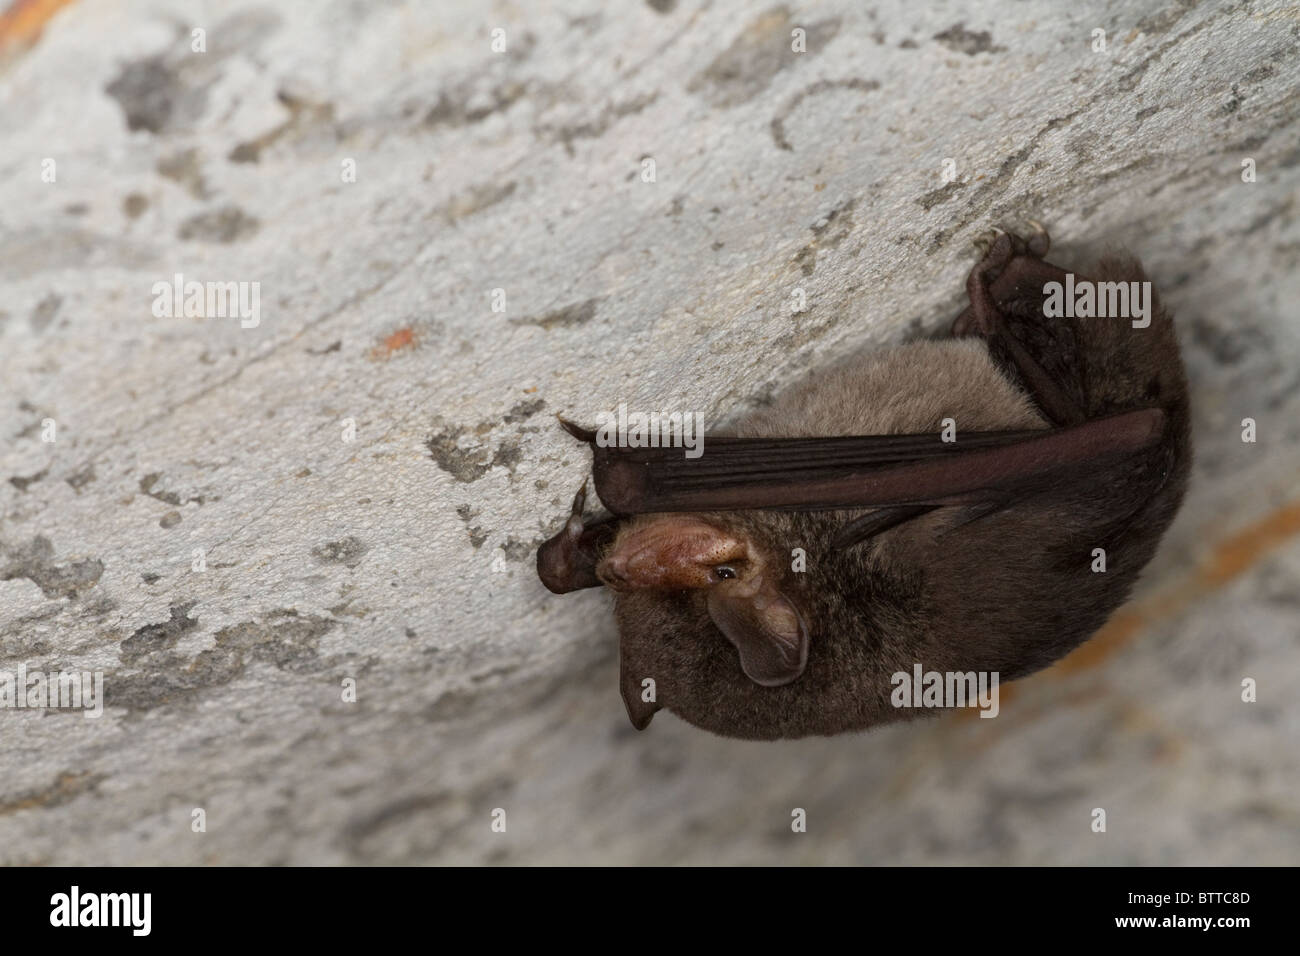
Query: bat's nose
pixel 613 572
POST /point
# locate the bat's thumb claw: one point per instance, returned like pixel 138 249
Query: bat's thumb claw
pixel 576 430
pixel 580 501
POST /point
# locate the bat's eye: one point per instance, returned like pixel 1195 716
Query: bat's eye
pixel 724 572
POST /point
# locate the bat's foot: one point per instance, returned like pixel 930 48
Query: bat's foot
pixel 998 248
pixel 984 241
pixel 982 316
pixel 1011 321
pixel 1035 246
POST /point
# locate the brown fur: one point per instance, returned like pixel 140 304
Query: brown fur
pixel 1011 592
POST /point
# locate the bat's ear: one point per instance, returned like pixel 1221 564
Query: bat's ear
pixel 767 630
pixel 639 710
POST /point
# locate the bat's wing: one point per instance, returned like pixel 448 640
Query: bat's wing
pixel 908 473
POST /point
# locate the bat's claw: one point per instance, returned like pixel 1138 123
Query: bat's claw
pixel 577 431
pixel 984 241
pixel 1039 241
pixel 1035 246
pixel 579 503
pixel 983 317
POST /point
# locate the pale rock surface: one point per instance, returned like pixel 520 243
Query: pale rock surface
pixel 402 559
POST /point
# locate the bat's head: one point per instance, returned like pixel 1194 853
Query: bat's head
pixel 717 622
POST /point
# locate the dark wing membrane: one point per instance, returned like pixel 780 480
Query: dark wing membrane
pixel 816 474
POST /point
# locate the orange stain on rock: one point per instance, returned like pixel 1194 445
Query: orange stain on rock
pixel 1124 625
pixel 403 338
pixel 1244 549
pixel 1227 561
pixel 22 22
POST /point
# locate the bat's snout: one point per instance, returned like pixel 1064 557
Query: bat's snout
pixel 672 554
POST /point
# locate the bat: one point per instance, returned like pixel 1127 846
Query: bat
pixel 776 585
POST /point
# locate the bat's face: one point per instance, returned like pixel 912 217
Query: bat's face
pixel 733 576
pixel 715 627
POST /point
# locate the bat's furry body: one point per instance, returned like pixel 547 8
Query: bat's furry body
pixel 1010 590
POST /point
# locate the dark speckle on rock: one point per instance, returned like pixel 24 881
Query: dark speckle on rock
pixel 66 787
pixel 45 312
pixel 454 108
pixel 472 460
pixel 941 195
pixel 170 520
pixel 1227 346
pixel 155 637
pixel 1161 21
pixel 661 6
pixel 516 550
pixel 82 477
pixel 347 551
pixel 227 224
pixel 579 313
pixel 777 126
pixel 150 94
pixel 305 117
pixel 148 486
pixel 185 168
pixel 286 639
pixel 567 133
pixel 22 482
pixel 828 232
pixel 283 639
pixel 474 200
pixel 970 42
pixel 35 561
pixel 508 455
pixel 463 464
pixel 763 49
pixel 524 411
pixel 134 205
pixel 1259 73
pixel 150 578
